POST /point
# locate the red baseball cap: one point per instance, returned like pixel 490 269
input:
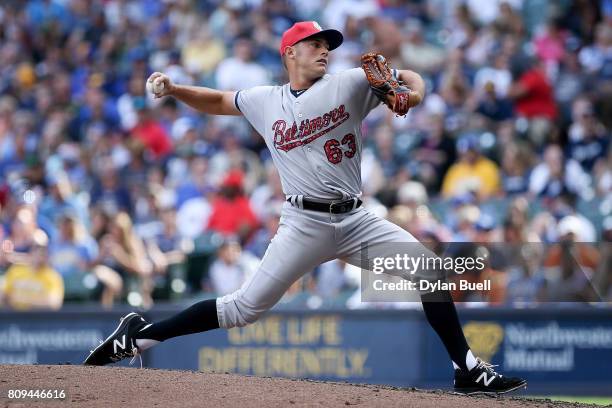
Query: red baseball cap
pixel 304 29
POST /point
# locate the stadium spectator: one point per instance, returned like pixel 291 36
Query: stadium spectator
pixel 570 83
pixel 202 53
pixel 165 247
pixel 270 222
pixel 330 279
pixel 72 254
pixel 534 101
pixel 497 279
pixel 515 166
pixel 418 54
pixel 168 240
pixel 386 152
pixel 465 215
pixel 595 58
pixel 493 106
pixel 150 132
pixel 473 172
pixel 269 195
pixel 197 182
pixel 516 228
pixel 455 90
pixel 123 253
pixel 135 174
pixel 497 74
pixel 110 191
pixel 234 154
pixel 96 110
pixel 602 175
pixel 550 46
pixel 240 71
pixel 22 228
pixel 34 284
pixel 434 154
pixel 231 268
pixel 569 266
pixel 126 107
pixel 554 176
pixel 18 153
pixel 60 199
pixel 231 210
pixel 526 282
pixel 509 21
pixel 588 139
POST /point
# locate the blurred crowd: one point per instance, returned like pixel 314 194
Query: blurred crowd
pixel 108 195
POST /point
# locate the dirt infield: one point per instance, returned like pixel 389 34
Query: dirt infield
pixel 132 387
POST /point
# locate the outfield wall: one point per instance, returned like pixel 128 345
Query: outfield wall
pixel 559 350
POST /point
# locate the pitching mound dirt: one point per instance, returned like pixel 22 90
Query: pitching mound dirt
pixel 133 387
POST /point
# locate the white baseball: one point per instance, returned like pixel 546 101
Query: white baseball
pixel 157 86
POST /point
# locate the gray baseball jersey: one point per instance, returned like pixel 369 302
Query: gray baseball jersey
pixel 315 139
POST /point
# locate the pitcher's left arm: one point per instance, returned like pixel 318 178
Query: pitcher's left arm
pixel 416 84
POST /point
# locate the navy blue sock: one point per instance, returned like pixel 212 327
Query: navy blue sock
pixel 199 317
pixel 441 314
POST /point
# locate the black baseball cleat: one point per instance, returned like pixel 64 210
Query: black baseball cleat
pixel 482 379
pixel 120 344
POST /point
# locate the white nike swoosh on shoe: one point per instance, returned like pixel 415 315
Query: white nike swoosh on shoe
pixel 147 326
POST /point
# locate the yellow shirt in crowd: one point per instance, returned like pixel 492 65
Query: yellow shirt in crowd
pixel 25 288
pixel 481 177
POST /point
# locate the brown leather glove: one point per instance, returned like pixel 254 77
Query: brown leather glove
pixel 385 85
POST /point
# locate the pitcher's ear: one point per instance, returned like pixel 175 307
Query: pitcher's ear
pixel 290 52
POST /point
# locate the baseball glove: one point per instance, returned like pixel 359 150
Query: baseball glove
pixel 385 85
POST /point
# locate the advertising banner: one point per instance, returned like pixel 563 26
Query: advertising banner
pixel 557 350
pixel 369 348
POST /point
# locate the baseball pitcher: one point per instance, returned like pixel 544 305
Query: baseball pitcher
pixel 312 127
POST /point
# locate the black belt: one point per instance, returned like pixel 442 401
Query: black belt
pixel 336 207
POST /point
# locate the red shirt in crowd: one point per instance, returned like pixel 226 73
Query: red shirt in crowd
pixel 154 137
pixel 539 101
pixel 232 216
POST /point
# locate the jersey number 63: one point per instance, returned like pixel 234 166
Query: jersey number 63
pixel 334 151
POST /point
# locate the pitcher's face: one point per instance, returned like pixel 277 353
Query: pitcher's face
pixel 312 56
